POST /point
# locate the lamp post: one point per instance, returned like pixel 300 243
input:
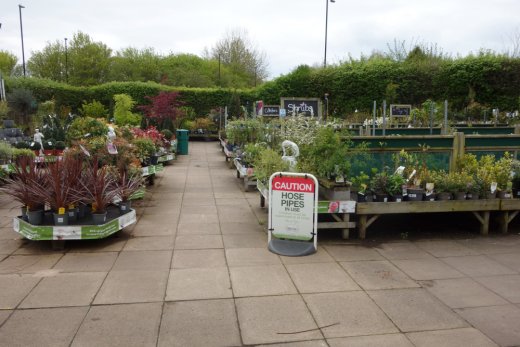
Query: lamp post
pixel 66 63
pixel 326 106
pixel 21 33
pixel 326 24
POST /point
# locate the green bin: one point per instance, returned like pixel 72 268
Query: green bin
pixel 182 141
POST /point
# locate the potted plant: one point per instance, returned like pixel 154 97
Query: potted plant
pixel 6 152
pixel 60 186
pixel 59 147
pixel 98 186
pixel 486 172
pixel 145 148
pixel 394 188
pixel 379 184
pixel 458 184
pixel 48 147
pixel 442 185
pixel 129 180
pixel 36 148
pixel 24 186
pixel 360 188
pixel 503 175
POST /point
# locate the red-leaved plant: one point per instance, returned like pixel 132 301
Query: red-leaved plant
pixel 25 184
pixel 99 186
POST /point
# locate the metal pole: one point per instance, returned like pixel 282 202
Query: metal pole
pixel 21 33
pixel 326 106
pixel 445 117
pixel 431 118
pixel 374 119
pixel 66 63
pixel 326 26
pixel 219 82
pixel 384 117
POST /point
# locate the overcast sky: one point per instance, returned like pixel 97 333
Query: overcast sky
pixel 290 32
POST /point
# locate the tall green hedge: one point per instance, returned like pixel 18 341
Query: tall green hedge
pixel 202 100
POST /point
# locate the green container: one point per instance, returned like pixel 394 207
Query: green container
pixel 182 141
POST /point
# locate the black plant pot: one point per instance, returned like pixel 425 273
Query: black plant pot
pixel 99 218
pixel 35 217
pixel 61 219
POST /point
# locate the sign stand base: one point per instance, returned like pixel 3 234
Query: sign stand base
pixel 291 248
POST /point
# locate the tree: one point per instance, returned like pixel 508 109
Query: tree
pixel 247 65
pixel 48 63
pixel 89 61
pixel 189 70
pixel 7 62
pixel 123 110
pixel 132 64
pixel 164 110
pixel 23 103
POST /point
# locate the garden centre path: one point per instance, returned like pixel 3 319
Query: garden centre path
pixel 195 271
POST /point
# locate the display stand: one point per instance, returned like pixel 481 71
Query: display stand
pixel 83 230
pixel 247 174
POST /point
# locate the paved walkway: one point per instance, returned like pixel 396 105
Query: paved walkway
pixel 195 271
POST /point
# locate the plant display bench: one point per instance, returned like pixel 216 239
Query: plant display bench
pixel 245 173
pixel 340 211
pixel 150 171
pixel 75 231
pixel 509 209
pixel 166 158
pixel 368 212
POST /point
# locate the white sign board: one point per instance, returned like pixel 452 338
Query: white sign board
pixel 293 206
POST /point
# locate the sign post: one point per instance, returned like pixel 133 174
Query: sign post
pixel 293 206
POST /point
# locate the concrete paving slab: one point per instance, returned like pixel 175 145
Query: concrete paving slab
pixel 255 240
pixel 478 265
pixel 445 248
pixel 198 283
pixel 511 260
pixel 236 213
pixel 231 202
pixel 198 218
pixel 261 281
pixel 198 258
pixel 321 277
pixel 198 210
pixel 28 263
pixel 251 257
pixel 65 289
pixel 451 338
pixel 86 262
pixel 321 256
pixel 378 274
pixel 198 228
pixel 132 286
pixel 13 288
pixel 499 323
pixel 198 242
pixel 42 327
pixel 150 243
pixel 157 230
pixel 199 323
pixel 4 314
pixel 416 310
pixel 275 319
pixel 230 227
pixel 311 343
pixel 348 314
pixel 507 286
pixel 427 269
pixel 7 232
pixel 493 244
pixel 114 243
pixel 9 246
pixel 143 260
pixel 388 340
pixel 402 250
pixel 462 292
pixel 120 325
pixel 352 252
pixel 150 220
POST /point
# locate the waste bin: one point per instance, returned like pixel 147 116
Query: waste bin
pixel 182 141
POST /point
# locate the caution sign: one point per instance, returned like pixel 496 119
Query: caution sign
pixel 293 199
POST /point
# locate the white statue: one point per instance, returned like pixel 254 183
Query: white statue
pixel 111 134
pixel 294 153
pixel 111 147
pixel 38 138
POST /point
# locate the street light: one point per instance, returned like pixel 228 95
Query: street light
pixel 66 63
pixel 21 32
pixel 326 106
pixel 326 24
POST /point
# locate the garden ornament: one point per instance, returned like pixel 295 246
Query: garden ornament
pixel 111 136
pixel 38 136
pixel 294 151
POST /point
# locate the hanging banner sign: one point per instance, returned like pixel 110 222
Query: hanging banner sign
pixel 293 206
